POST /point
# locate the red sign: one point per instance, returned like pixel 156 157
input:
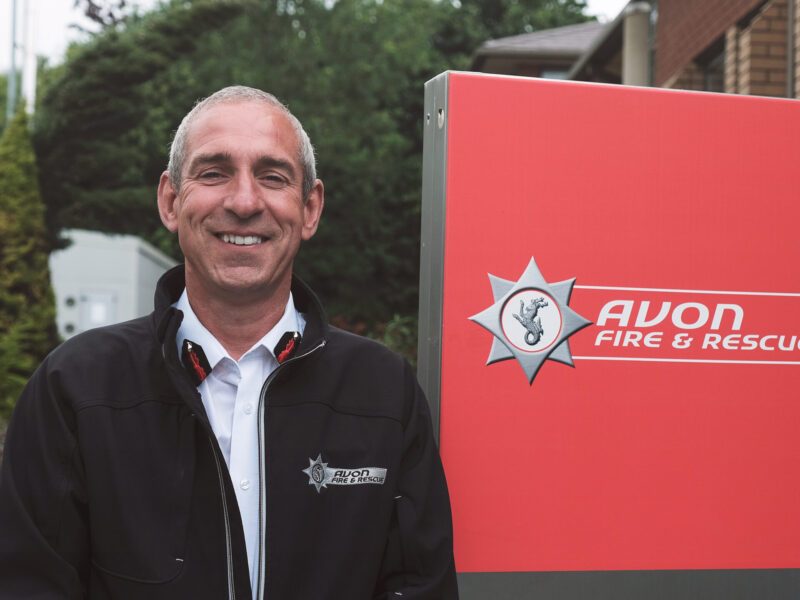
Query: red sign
pixel 672 443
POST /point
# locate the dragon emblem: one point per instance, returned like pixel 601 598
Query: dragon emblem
pixel 530 320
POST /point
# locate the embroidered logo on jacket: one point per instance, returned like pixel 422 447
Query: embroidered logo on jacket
pixel 320 475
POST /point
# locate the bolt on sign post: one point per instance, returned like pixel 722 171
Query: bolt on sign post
pixel 610 337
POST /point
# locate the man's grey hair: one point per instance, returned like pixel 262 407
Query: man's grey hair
pixel 240 93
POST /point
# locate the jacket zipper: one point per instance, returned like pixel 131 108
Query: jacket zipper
pixel 226 517
pixel 262 476
pixel 225 513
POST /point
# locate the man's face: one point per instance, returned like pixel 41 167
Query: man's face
pixel 240 214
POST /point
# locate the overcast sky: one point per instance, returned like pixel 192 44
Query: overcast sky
pixel 52 19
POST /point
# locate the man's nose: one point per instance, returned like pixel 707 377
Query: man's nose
pixel 244 199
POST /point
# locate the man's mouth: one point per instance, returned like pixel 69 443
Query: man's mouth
pixel 241 240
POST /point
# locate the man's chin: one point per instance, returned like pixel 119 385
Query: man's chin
pixel 238 284
pixel 244 284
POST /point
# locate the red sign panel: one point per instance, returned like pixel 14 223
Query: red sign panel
pixel 672 441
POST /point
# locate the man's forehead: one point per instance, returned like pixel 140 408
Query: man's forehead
pixel 220 125
pixel 238 106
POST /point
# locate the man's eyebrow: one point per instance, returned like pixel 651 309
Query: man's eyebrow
pixel 276 163
pixel 209 159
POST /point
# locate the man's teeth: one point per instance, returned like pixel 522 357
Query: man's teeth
pixel 241 240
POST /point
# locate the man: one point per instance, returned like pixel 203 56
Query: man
pixel 231 444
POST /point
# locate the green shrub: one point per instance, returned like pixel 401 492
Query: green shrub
pixel 27 309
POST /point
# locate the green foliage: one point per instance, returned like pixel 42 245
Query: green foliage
pixel 363 106
pixel 3 429
pixel 86 132
pixel 44 75
pixel 27 309
pixel 4 98
pixel 352 71
pixel 503 18
pixel 400 335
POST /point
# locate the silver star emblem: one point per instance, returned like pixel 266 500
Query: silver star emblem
pixel 318 473
pixel 540 328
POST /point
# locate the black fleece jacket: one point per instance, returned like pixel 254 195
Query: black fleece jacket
pixel 113 485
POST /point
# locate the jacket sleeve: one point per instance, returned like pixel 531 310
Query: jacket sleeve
pixel 418 563
pixel 44 539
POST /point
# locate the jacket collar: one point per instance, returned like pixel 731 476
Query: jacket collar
pixel 307 303
pixel 172 283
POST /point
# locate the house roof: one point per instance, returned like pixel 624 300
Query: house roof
pixel 685 29
pixel 569 42
pixel 602 47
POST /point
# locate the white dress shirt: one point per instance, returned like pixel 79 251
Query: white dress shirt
pixel 230 396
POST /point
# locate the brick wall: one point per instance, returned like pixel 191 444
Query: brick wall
pixel 796 48
pixel 732 47
pixel 756 53
pixel 691 77
pixel 687 27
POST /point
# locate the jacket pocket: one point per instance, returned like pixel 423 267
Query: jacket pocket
pixel 139 464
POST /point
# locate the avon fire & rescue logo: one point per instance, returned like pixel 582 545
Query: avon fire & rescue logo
pixel 320 475
pixel 530 320
pixel 692 326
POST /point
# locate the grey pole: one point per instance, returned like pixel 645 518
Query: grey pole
pixel 11 97
pixel 636 44
pixel 28 81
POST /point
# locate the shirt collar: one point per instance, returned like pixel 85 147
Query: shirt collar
pixel 191 328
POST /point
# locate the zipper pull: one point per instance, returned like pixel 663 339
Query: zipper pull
pixel 287 346
pixel 194 361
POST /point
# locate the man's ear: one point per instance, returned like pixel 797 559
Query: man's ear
pixel 167 203
pixel 312 209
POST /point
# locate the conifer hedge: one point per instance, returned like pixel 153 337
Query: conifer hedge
pixel 27 308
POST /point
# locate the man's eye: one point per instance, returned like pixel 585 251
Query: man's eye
pixel 273 178
pixel 210 175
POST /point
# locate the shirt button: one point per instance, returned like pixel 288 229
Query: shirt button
pixel 244 484
pixel 248 409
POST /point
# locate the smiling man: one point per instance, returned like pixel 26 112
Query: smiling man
pixel 232 444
